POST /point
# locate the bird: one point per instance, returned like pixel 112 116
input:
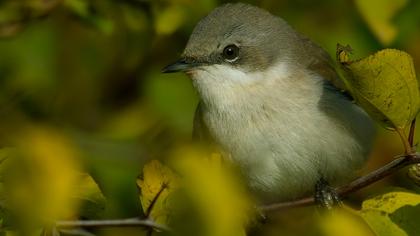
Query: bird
pixel 272 101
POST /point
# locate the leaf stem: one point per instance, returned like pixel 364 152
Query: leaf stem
pixel 405 141
pixel 411 134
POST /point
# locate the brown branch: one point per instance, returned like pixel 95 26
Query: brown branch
pixel 397 164
pixel 359 183
pixel 130 222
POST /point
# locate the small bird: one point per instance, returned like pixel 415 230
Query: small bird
pixel 270 98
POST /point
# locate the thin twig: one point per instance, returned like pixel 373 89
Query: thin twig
pixel 130 222
pixel 287 205
pixel 390 168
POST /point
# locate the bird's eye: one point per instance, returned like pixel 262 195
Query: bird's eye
pixel 231 53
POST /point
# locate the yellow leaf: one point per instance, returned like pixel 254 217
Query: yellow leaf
pixel 381 224
pixel 45 175
pixel 385 85
pixel 394 213
pixel 43 180
pixel 220 197
pixel 156 185
pixel 334 222
pixel 391 202
pixel 378 15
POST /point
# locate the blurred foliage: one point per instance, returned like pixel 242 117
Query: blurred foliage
pixel 41 182
pixel 379 15
pixel 81 91
pixel 334 222
pixel 219 199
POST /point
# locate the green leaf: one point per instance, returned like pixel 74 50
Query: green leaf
pixel 405 217
pixel 381 224
pixel 378 15
pixel 394 213
pixel 384 84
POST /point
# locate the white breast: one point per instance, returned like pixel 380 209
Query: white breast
pixel 285 130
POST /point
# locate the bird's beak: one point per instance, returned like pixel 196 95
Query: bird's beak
pixel 181 65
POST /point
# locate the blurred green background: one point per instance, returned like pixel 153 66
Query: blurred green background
pixel 91 70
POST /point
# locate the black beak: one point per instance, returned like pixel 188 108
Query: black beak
pixel 180 65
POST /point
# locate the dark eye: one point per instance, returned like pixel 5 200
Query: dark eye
pixel 231 52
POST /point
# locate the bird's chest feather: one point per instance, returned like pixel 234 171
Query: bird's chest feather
pixel 265 120
pixel 267 127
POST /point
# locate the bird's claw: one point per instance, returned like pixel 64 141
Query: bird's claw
pixel 325 195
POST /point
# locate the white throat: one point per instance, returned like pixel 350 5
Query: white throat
pixel 224 87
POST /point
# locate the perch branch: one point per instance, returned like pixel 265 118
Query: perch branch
pixel 130 222
pixel 398 163
pixel 359 183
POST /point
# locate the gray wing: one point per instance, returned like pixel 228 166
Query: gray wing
pixel 320 62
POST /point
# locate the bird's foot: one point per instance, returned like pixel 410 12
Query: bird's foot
pixel 325 195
